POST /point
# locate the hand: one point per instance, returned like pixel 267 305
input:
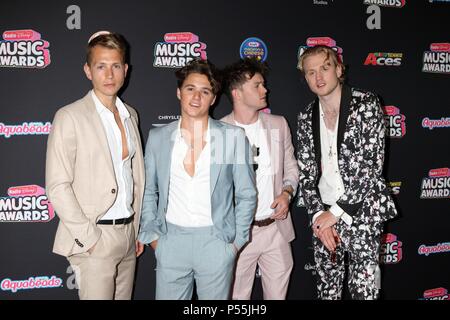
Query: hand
pixel 139 248
pixel 323 221
pixel 154 244
pixel 330 238
pixel 281 203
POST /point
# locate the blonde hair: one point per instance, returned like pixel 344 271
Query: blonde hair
pixel 330 55
pixel 110 41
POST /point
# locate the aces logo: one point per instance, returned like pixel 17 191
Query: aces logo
pixel 384 59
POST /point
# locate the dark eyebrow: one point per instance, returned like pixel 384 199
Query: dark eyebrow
pixel 193 86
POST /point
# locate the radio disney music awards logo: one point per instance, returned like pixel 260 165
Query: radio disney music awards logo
pixel 386 3
pixel 25 129
pixel 24 49
pixel 40 282
pixel 384 59
pixel 325 41
pixel 437 60
pixel 435 294
pixel 436 123
pixel 436 185
pixel 391 249
pixel 26 204
pixel 437 248
pixel 253 47
pixel 178 49
pixel 394 187
pixel 395 122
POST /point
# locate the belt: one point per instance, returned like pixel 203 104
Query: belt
pixel 264 222
pixel 117 221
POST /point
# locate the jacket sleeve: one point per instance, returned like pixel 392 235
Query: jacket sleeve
pixel 59 176
pixel 308 167
pixel 148 224
pixel 291 171
pixel 244 190
pixel 368 165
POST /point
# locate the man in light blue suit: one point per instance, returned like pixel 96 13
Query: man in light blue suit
pixel 200 194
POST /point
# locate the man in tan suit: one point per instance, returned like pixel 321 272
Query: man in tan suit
pixel 276 180
pixel 95 177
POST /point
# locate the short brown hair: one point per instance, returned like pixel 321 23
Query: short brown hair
pixel 203 67
pixel 330 54
pixel 241 71
pixel 110 41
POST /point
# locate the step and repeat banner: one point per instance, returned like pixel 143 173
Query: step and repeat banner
pixel 399 49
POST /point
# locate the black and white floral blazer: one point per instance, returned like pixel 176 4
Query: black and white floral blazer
pixel 361 134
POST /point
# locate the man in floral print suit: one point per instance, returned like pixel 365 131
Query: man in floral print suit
pixel 341 153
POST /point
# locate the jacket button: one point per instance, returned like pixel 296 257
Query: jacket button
pixel 113 190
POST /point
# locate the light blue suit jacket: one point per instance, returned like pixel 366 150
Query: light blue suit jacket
pixel 232 183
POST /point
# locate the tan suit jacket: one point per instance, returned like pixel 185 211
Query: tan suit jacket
pixel 80 179
pixel 284 164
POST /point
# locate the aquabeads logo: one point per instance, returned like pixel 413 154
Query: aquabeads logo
pixel 437 60
pixel 325 41
pixel 24 49
pixel 391 249
pixel 437 248
pixel 436 123
pixel 42 282
pixel 395 122
pixel 26 204
pixel 436 185
pixel 178 49
pixel 25 129
pixel 386 3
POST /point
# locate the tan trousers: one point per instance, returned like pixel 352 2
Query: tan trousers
pixel 108 272
pixel 273 255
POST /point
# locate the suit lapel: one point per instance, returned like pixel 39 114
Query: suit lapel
pixel 165 155
pixel 344 110
pixel 99 130
pixel 265 125
pixel 316 132
pixel 215 167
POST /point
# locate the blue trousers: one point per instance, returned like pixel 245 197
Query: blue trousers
pixel 186 255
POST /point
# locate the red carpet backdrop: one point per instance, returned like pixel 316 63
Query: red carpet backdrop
pixel 399 49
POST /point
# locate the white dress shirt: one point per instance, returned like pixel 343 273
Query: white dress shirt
pixel 189 197
pixel 121 208
pixel 257 137
pixel 330 186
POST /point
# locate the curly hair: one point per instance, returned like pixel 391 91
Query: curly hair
pixel 236 74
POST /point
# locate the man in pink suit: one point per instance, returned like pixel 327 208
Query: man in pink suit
pixel 277 179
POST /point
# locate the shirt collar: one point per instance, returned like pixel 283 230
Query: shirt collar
pixel 123 112
pixel 207 135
